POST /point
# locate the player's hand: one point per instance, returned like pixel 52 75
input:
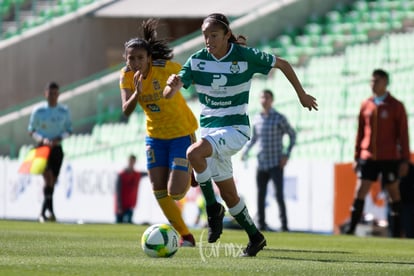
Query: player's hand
pixel 355 166
pixel 173 81
pixel 173 85
pixel 47 142
pixel 404 168
pixel 308 101
pixel 138 81
pixel 283 161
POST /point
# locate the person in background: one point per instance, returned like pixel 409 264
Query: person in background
pixel 269 128
pixel 381 149
pixel 49 124
pixel 221 74
pixel 170 123
pixel 127 186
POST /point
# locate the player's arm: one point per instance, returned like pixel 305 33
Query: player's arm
pixel 130 98
pixel 129 101
pixel 174 84
pixel 32 129
pixel 306 100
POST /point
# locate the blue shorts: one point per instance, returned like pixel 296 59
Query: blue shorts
pixel 170 153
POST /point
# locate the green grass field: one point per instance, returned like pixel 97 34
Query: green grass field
pixel 30 248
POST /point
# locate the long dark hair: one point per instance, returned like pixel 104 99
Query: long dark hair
pixel 222 21
pixel 156 48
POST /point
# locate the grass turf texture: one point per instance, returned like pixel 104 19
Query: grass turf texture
pixel 30 248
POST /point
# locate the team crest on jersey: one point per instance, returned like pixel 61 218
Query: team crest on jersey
pixel 156 85
pixel 234 67
pixel 384 114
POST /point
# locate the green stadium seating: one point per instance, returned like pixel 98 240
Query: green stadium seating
pixel 336 53
pixel 10 11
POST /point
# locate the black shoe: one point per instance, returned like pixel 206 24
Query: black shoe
pixel 350 232
pixel 255 244
pixel 52 218
pixel 346 229
pixel 215 224
pixel 284 229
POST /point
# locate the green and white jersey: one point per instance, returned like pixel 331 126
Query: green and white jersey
pixel 223 85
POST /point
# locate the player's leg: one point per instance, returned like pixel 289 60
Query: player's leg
pixel 391 183
pixel 180 178
pixel 180 170
pixel 395 206
pixel 238 209
pixel 227 143
pixel 363 187
pixel 158 166
pixel 367 172
pixel 159 178
pixel 262 178
pixel 197 154
pixel 50 177
pixel 178 186
pixel 119 217
pixel 47 194
pixel 277 178
pixel 128 215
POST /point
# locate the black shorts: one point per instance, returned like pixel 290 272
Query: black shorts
pixel 55 159
pixel 372 169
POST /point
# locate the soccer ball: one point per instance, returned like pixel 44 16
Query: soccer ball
pixel 160 240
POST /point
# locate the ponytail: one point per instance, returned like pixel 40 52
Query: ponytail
pixel 156 48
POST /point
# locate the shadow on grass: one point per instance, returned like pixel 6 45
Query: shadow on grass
pixel 327 260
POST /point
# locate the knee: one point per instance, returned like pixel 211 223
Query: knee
pixel 178 193
pixel 177 196
pixel 192 154
pixel 199 150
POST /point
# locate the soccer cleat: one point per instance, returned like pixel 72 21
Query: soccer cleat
pixel 256 243
pixel 52 218
pixel 350 231
pixel 284 229
pixel 215 224
pixel 187 241
pixel 42 218
pixel 346 229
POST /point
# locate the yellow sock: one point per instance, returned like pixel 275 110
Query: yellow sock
pixel 171 211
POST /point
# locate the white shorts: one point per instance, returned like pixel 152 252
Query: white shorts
pixel 226 142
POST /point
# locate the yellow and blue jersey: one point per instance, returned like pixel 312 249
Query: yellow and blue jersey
pixel 165 118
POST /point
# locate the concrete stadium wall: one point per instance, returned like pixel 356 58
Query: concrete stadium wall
pixel 70 51
pixel 84 101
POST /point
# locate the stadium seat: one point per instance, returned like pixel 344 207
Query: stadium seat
pixel 340 53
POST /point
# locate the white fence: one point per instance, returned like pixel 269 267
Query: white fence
pixel 85 193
